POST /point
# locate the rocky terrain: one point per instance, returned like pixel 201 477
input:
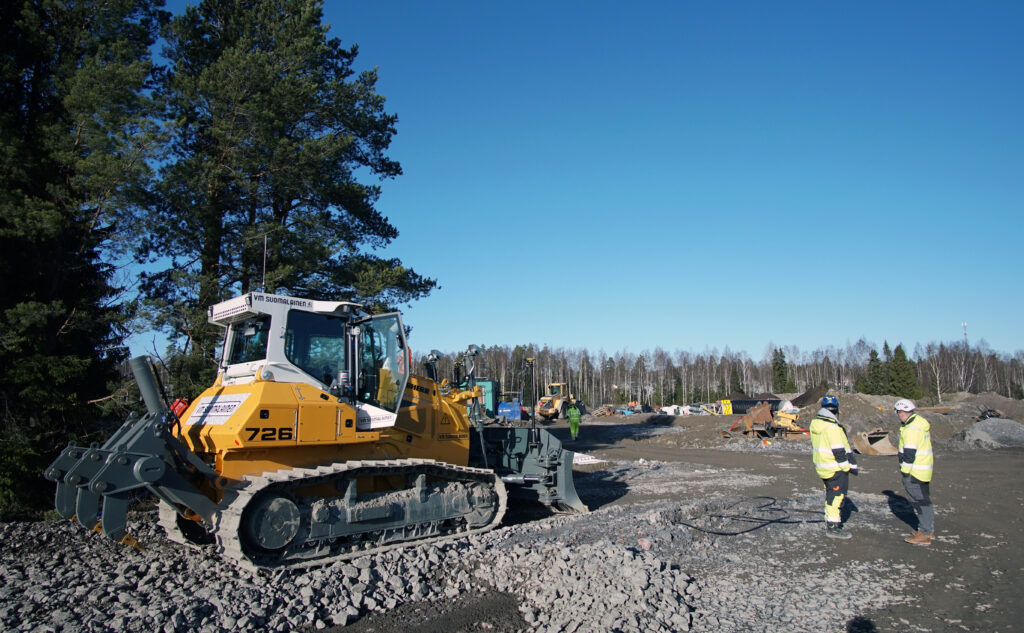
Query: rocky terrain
pixel 688 531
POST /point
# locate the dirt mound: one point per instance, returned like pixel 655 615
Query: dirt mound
pixel 1011 409
pixel 860 413
pixel 810 397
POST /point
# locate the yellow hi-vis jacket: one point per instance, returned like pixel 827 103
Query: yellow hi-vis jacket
pixel 915 448
pixel 829 445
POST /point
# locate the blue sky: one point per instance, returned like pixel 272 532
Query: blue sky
pixel 623 176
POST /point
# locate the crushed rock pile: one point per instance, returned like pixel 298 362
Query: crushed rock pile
pixel 633 568
pixel 592 587
pixel 992 433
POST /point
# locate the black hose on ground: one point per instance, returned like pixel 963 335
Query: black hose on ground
pixel 769 506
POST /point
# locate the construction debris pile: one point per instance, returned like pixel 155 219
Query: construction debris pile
pixel 633 408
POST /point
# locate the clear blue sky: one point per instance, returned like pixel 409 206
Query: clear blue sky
pixel 622 176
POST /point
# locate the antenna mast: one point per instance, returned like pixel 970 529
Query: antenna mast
pixel 263 287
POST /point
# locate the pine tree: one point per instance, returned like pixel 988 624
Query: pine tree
pixel 273 126
pixel 75 136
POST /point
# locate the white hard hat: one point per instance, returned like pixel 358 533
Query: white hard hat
pixel 904 405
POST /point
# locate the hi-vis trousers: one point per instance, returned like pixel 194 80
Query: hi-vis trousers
pixel 836 488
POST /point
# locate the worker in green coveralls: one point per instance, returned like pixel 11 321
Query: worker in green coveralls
pixel 574 420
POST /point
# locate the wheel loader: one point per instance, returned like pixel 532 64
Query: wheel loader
pixel 315 443
pixel 555 404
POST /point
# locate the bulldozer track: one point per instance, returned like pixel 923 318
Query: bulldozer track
pixel 228 531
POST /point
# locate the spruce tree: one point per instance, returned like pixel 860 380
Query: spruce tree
pixel 75 136
pixel 875 380
pixel 781 380
pixel 780 371
pixel 903 377
pixel 735 384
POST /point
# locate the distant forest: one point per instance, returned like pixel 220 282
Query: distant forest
pixel 660 378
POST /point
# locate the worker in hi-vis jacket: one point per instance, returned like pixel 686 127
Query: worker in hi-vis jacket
pixel 833 461
pixel 916 461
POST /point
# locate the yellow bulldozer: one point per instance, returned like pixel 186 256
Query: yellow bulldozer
pixel 315 443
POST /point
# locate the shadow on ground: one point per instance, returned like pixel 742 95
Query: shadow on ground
pixel 861 625
pixel 901 508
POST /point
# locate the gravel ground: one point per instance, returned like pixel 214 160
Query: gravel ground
pixel 688 532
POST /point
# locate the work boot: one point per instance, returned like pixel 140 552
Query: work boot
pixel 920 538
pixel 835 530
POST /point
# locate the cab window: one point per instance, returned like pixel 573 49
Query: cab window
pixel 315 343
pixel 249 340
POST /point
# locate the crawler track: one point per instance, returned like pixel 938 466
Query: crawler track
pixel 280 520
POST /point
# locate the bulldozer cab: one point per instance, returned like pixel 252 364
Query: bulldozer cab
pixel 557 389
pixel 330 345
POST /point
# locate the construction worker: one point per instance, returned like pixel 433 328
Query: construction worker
pixel 574 420
pixel 833 461
pixel 916 461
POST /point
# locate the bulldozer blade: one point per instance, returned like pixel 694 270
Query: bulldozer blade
pixel 568 498
pixel 531 461
pixel 874 442
pixel 87 507
pixel 115 515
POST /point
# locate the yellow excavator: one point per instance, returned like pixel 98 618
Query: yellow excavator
pixel 315 443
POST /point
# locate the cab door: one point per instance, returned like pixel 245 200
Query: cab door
pixel 382 359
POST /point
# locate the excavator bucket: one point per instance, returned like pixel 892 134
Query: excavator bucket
pixel 874 442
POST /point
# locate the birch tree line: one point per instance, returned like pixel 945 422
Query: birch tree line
pixel 660 378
